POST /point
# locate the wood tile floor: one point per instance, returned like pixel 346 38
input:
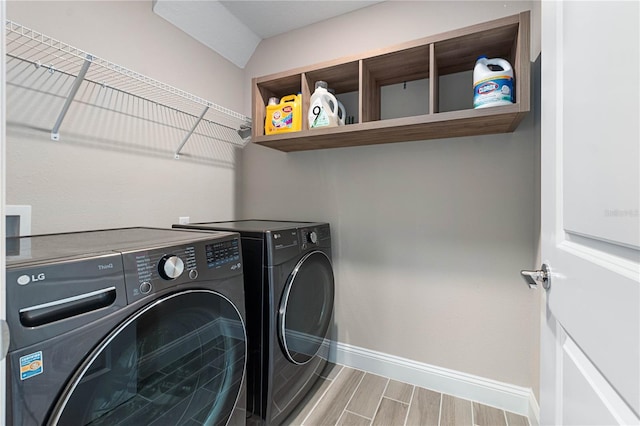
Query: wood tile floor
pixel 346 396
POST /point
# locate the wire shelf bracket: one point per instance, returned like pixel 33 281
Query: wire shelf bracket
pixel 55 132
pixel 176 155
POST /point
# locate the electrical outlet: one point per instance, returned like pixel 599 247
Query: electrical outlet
pixel 183 220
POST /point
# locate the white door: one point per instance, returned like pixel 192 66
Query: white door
pixel 3 343
pixel 590 186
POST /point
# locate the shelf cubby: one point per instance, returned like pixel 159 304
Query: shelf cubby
pixel 390 69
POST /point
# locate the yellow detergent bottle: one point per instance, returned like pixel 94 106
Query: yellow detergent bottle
pixel 285 116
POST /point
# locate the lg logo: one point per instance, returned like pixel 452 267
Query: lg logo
pixel 26 279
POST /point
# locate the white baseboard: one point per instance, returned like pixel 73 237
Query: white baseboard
pixel 515 399
pixel 534 410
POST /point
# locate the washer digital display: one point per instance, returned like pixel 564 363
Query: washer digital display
pixel 221 253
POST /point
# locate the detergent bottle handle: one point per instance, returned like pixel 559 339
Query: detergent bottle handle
pixel 343 112
pixel 288 98
pixel 333 99
pixel 501 62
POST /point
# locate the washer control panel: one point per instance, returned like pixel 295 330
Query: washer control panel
pixel 283 240
pixel 310 238
pixel 170 267
pixel 283 245
pixel 222 253
pixel 151 271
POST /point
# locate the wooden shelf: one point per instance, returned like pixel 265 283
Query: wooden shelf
pixel 429 58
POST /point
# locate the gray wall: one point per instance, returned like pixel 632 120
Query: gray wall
pixel 108 170
pixel 429 236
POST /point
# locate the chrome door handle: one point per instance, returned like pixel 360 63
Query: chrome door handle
pixel 533 278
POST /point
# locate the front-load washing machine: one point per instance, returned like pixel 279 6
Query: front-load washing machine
pixel 135 326
pixel 289 287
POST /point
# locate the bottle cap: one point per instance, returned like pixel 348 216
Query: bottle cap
pixel 322 84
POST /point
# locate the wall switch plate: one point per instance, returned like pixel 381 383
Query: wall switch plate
pixel 183 220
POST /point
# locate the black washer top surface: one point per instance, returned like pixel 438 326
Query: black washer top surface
pixel 90 243
pixel 252 225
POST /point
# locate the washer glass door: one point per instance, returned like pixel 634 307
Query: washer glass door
pixel 180 360
pixel 306 307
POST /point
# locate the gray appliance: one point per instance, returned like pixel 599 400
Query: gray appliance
pixel 126 327
pixel 289 287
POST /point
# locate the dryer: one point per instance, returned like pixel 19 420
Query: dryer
pixel 126 327
pixel 289 288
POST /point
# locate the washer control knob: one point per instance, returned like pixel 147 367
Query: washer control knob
pixel 145 287
pixel 312 237
pixel 170 267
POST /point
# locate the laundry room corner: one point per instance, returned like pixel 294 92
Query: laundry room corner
pixel 319 212
pixel 429 236
pixel 114 163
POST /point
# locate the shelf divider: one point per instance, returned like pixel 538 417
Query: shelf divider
pixel 434 86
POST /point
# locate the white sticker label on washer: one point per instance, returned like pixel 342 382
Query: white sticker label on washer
pixel 31 365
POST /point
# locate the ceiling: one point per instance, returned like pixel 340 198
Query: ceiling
pixel 234 28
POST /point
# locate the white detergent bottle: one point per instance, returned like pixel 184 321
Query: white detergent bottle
pixel 323 108
pixel 492 83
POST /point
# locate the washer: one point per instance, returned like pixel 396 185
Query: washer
pixel 126 327
pixel 289 286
